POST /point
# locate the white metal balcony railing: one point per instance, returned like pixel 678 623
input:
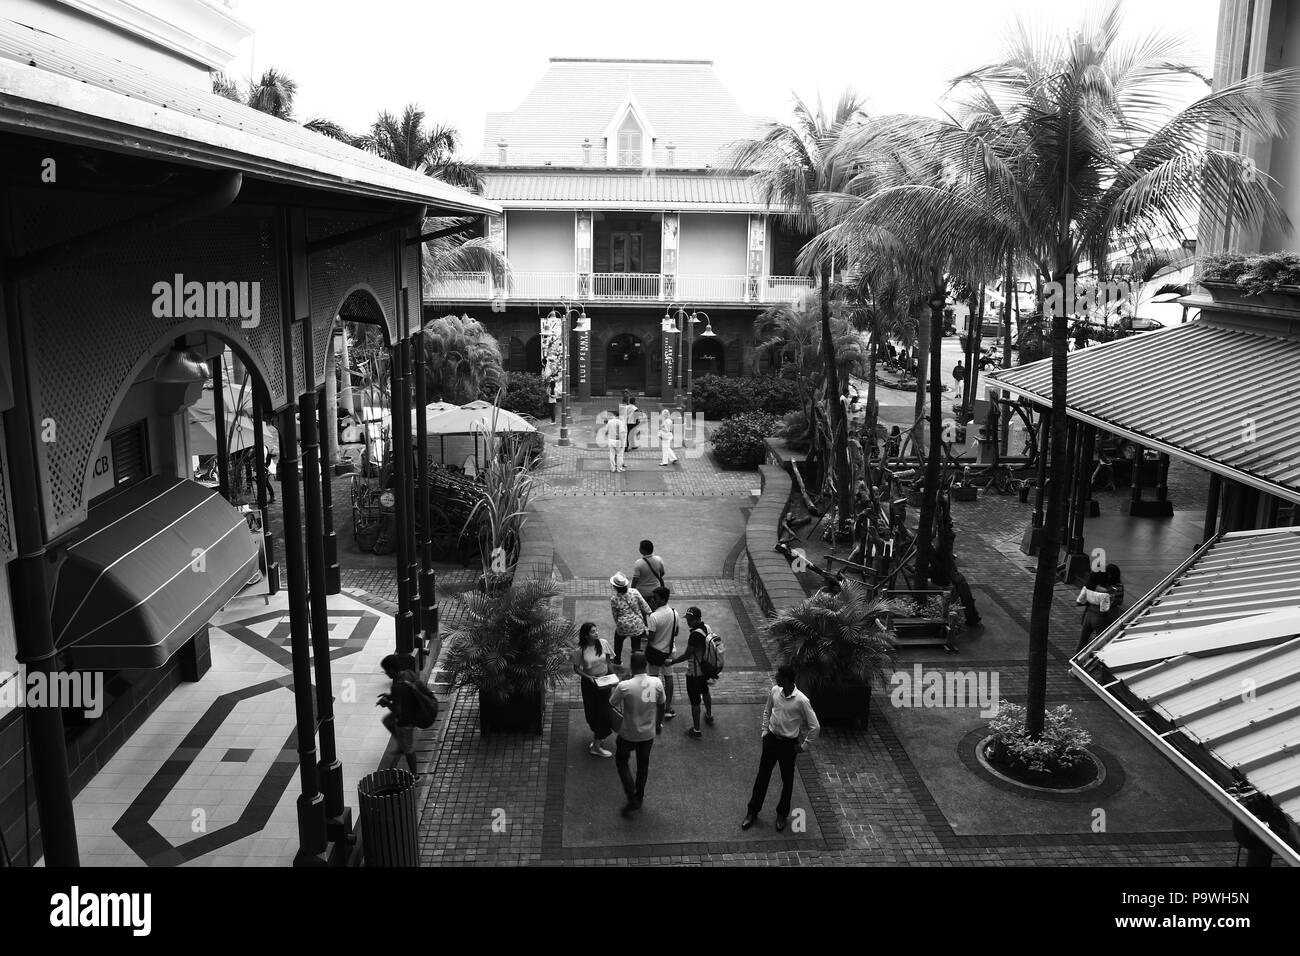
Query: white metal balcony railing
pixel 462 285
pixel 542 285
pixel 480 286
pixel 786 288
pixel 625 285
pixel 712 288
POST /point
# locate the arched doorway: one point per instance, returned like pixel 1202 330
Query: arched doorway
pixel 516 361
pixel 533 355
pixel 625 363
pixel 708 357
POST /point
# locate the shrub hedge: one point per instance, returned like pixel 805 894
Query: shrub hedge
pixel 526 394
pixel 719 396
pixel 738 440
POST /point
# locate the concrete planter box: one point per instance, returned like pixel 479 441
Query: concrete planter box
pixel 1286 299
pixel 520 712
pixel 843 704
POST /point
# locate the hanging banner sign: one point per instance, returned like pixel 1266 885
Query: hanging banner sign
pixel 552 334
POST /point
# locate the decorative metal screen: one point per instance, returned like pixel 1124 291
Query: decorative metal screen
pixel 413 287
pixel 335 272
pixel 94 324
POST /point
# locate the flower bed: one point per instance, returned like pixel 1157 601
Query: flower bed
pixel 1056 756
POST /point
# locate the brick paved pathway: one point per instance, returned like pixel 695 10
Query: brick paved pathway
pixel 898 793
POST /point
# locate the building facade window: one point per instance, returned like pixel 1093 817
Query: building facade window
pixel 629 142
pixel 123 461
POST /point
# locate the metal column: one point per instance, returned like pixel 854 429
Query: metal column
pixel 263 485
pixel 312 837
pixel 219 424
pixel 331 770
pixel 331 541
pixel 428 582
pixel 32 629
pixel 408 487
pixel 404 620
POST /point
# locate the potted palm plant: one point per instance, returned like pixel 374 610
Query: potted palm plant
pixel 499 515
pixel 512 647
pixel 839 645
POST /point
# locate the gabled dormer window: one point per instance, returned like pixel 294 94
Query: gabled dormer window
pixel 629 142
pixel 630 136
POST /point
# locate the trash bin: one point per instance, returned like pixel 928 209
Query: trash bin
pixel 386 799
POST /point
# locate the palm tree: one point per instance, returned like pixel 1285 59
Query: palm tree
pixel 223 85
pixel 404 140
pixel 788 165
pixel 461 359
pixel 796 330
pixel 1068 147
pixel 273 94
pixel 886 308
pixel 881 165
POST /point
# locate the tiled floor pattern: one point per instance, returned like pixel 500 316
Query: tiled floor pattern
pixel 210 779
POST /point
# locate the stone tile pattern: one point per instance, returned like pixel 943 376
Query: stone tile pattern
pixel 485 799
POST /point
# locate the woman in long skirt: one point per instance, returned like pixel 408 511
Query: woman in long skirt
pixel 591 661
pixel 666 439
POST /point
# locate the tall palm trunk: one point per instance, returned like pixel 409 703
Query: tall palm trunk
pixel 835 409
pixel 930 489
pixel 1045 576
pixel 872 411
pixel 922 361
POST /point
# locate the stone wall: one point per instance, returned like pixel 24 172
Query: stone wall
pixel 773 582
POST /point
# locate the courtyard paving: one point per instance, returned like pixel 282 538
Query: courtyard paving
pixel 907 790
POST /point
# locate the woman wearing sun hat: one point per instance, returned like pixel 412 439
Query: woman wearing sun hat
pixel 630 611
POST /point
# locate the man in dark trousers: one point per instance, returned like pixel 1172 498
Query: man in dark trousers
pixel 639 698
pixel 401 704
pixel 789 727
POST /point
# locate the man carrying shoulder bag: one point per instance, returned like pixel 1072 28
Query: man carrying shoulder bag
pixel 663 627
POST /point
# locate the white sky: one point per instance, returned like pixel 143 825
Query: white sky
pixel 352 59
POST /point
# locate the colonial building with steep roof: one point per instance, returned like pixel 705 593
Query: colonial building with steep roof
pixel 609 175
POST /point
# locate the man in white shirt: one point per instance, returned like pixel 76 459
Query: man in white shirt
pixel 640 697
pixel 789 728
pixel 664 626
pixel 615 437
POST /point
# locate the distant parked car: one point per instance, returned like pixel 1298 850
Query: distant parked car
pixel 1140 325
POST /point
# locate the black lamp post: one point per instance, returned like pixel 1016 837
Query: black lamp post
pixel 583 325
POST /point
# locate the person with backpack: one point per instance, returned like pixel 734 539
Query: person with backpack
pixel 703 656
pixel 591 662
pixel 410 705
pixel 648 572
pixel 664 627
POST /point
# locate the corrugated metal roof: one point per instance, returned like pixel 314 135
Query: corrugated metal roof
pixel 1197 390
pixel 600 189
pixel 57 89
pixel 574 100
pixel 1237 698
